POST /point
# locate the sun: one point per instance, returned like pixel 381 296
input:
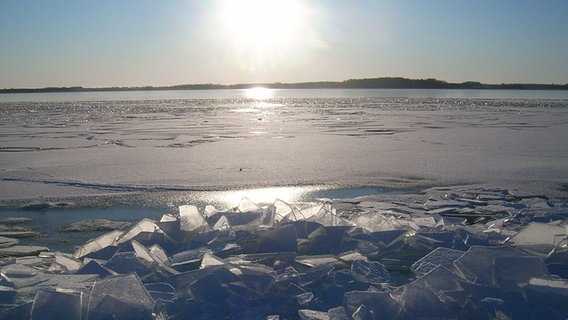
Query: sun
pixel 260 33
pixel 263 22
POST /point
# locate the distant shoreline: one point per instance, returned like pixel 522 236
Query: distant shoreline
pixel 369 83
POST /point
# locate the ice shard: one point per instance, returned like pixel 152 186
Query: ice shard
pixel 438 257
pixel 246 205
pixel 21 251
pixel 145 225
pixel 20 276
pixel 57 304
pixel 499 266
pixel 209 260
pixel 541 238
pixel 121 297
pixel 65 263
pixel 369 271
pixel 98 243
pixel 191 219
pixel 306 314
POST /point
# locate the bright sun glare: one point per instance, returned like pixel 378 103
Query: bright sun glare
pixel 259 93
pixel 262 32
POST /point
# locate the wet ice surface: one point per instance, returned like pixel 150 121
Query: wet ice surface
pixel 455 252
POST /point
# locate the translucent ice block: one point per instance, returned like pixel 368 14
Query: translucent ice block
pixel 191 219
pixel 327 216
pixel 246 205
pixel 65 263
pixel 98 243
pixel 499 266
pixel 20 276
pixel 209 260
pixel 222 224
pixel 369 271
pixel 57 304
pixel 20 251
pixel 115 295
pixel 540 237
pixel 306 314
pixel 438 257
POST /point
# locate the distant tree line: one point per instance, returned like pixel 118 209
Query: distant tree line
pixel 371 83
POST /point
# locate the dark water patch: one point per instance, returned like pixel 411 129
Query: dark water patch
pixel 48 223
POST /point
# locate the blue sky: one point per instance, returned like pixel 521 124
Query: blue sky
pixel 140 42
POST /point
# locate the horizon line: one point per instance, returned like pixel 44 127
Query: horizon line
pixel 363 83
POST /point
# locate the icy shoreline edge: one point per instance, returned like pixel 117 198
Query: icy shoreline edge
pixel 448 252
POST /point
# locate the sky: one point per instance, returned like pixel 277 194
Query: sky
pixel 108 43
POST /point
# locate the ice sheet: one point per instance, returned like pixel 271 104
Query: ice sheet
pixel 191 144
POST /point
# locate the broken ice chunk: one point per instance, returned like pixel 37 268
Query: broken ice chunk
pixel 324 240
pixel 31 261
pixel 210 260
pixel 142 252
pixel 318 260
pixel 305 298
pixel 145 225
pixel 20 251
pixel 66 263
pixel 513 272
pixel 191 219
pixel 222 224
pixel 499 266
pixel 369 271
pixel 306 314
pixel 168 218
pixel 268 217
pixel 327 216
pixel 375 221
pixel 377 303
pixel 362 313
pixel 20 276
pixel 247 205
pixel 208 289
pixel 303 214
pixel 156 262
pixel 188 257
pixel 98 243
pixel 93 267
pixel 282 209
pixel 161 290
pixel 209 211
pixel 282 239
pixel 338 313
pixel 421 302
pixel 117 295
pixel 158 253
pixel 57 304
pixel 127 262
pixel 551 293
pixel 540 238
pixel 440 256
pixel 7 242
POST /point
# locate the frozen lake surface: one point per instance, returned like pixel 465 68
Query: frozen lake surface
pixel 76 148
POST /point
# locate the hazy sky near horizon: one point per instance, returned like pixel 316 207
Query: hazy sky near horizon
pixel 145 42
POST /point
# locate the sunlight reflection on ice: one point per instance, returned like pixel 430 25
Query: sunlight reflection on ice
pixel 265 195
pixel 229 199
pixel 259 93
